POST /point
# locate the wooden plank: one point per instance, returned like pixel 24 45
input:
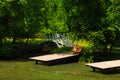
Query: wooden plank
pixel 51 57
pixel 105 64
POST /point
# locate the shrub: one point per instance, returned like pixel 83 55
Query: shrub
pixel 61 49
pixel 87 51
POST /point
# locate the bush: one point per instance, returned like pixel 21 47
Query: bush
pixel 48 46
pixel 88 48
pixel 10 51
pixel 61 49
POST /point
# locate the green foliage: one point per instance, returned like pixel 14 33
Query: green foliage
pixel 10 51
pixel 84 43
pixel 26 18
pixel 87 54
pixel 87 58
pixel 62 49
pixel 14 19
pixel 81 17
pixel 113 14
pixel 96 21
pixel 54 17
pixel 88 49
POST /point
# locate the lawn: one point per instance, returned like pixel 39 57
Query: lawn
pixel 27 70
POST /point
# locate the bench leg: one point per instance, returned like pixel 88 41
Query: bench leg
pixel 93 69
pixel 36 62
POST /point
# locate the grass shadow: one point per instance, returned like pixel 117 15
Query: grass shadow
pixel 109 71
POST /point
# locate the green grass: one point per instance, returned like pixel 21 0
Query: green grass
pixel 27 70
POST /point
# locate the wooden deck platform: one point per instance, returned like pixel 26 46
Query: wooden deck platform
pixel 52 57
pixel 105 65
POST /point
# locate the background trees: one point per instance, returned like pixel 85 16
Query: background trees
pixel 54 17
pixel 20 18
pixel 26 18
pixel 96 21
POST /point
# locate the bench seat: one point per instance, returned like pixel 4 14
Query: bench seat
pixel 104 65
pixel 53 57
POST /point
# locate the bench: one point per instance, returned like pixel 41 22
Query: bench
pixel 76 51
pixel 104 65
pixel 53 57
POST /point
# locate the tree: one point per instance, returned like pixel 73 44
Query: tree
pixel 4 20
pixel 112 32
pixel 94 20
pixel 54 17
pixel 20 18
pixel 83 16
